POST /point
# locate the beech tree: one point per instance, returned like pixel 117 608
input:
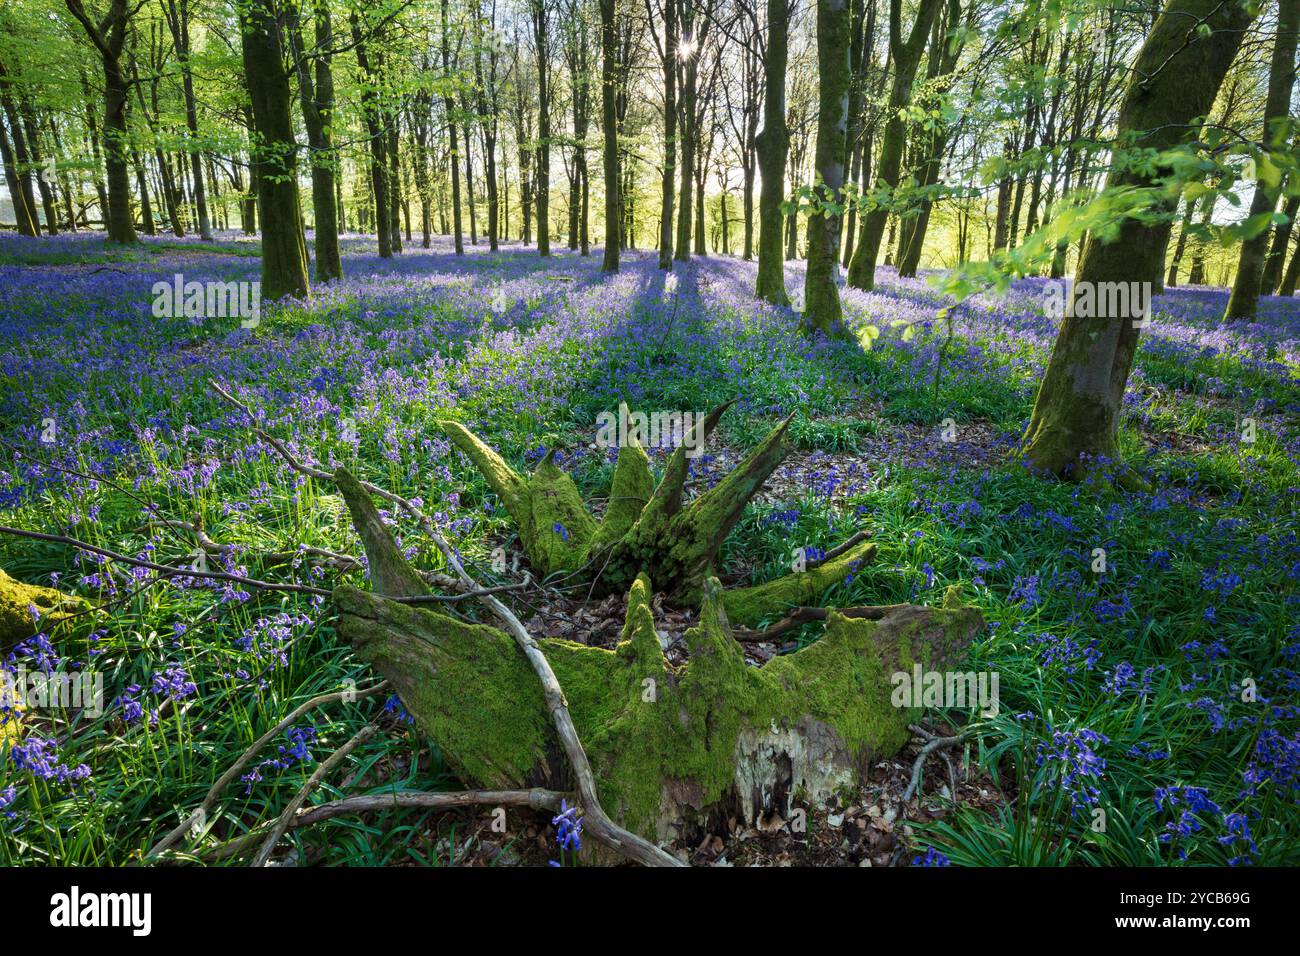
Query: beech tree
pixel 906 55
pixel 1250 265
pixel 108 34
pixel 773 142
pixel 1174 81
pixel 821 294
pixel 275 153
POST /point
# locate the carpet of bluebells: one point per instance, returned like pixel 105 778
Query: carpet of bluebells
pixel 1148 711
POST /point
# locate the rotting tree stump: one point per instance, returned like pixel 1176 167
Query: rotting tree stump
pixel 673 748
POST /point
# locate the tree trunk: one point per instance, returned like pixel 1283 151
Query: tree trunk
pixel 773 143
pixel 284 248
pixel 1292 274
pixel 469 175
pixel 1244 299
pixel 1196 276
pixel 146 210
pixel 449 108
pixel 394 169
pixel 18 180
pixel 669 180
pixel 377 138
pixel 487 107
pixel 317 96
pixel 1272 276
pixel 543 129
pixel 686 165
pixel 1175 79
pixel 609 124
pixel 49 201
pixel 906 56
pixel 1172 279
pixel 822 310
pixel 178 20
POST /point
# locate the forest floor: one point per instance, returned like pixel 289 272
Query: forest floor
pixel 1147 713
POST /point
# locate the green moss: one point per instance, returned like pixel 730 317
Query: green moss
pixel 748 607
pixel 16 602
pixel 554 525
pixel 632 487
pixel 501 478
pixel 649 730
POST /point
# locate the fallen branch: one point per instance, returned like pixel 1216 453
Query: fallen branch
pixel 321 772
pixel 840 549
pixel 200 814
pixel 342 562
pixel 931 745
pixel 537 799
pixel 164 569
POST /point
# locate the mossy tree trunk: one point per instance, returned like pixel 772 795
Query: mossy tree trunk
pixel 1175 80
pixel 773 144
pixel 19 600
pixel 1248 284
pixel 275 154
pixel 821 292
pixel 648 527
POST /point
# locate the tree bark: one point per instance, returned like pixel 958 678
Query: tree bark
pixel 1244 299
pixel 23 213
pixel 543 128
pixel 1175 79
pixel 275 152
pixel 609 124
pixel 822 310
pixel 109 37
pixel 773 144
pixel 316 93
pixel 906 57
pixel 1272 276
pixel 178 20
pixel 669 180
pixel 377 139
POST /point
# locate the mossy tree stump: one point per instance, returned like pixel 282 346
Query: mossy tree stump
pixel 672 747
pixel 647 528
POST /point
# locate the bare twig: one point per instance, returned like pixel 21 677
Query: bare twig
pixel 536 799
pixel 931 745
pixel 282 824
pixel 200 814
pixel 164 569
